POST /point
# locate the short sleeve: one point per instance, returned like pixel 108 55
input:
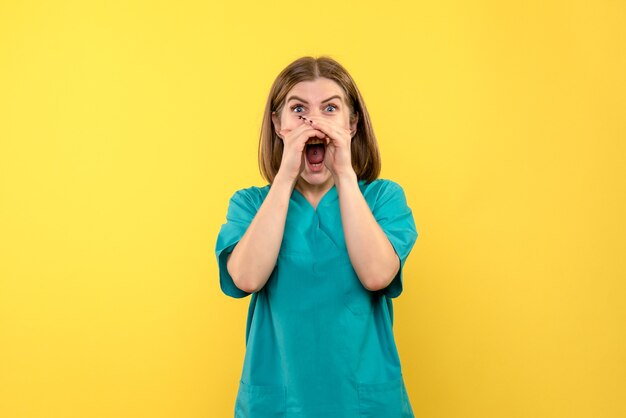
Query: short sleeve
pixel 239 215
pixel 396 219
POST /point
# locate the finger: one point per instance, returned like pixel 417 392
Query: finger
pixel 296 131
pixel 320 123
pixel 299 128
pixel 329 129
pixel 300 140
pixel 311 132
pixel 308 136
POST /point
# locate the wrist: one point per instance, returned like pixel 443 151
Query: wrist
pixel 283 180
pixel 349 177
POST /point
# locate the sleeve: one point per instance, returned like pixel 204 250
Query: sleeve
pixel 396 220
pixel 239 215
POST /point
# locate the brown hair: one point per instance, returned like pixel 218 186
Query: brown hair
pixel 364 148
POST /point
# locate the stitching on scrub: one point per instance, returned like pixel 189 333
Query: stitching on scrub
pixel 370 396
pixel 380 386
pixel 266 398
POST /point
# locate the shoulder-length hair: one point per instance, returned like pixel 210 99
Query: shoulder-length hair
pixel 365 155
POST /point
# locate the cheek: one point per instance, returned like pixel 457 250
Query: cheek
pixel 346 122
pixel 292 123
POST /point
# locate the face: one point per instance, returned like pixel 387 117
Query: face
pixel 312 100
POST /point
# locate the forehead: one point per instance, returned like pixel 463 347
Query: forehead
pixel 317 90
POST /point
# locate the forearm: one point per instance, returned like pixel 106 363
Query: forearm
pixel 371 254
pixel 254 257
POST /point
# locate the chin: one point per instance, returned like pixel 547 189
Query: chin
pixel 316 178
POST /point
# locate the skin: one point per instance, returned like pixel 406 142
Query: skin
pixel 371 254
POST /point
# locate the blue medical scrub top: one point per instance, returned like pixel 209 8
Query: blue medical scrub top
pixel 318 343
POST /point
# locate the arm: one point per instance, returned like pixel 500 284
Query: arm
pixel 252 260
pixel 371 254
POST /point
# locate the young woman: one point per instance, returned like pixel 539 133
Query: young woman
pixel 321 249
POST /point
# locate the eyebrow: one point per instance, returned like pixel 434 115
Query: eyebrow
pixel 302 100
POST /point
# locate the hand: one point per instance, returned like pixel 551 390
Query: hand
pixel 337 156
pixel 292 163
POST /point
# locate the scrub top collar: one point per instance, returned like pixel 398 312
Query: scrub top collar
pixel 330 195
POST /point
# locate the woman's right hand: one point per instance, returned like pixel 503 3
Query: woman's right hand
pixel 293 160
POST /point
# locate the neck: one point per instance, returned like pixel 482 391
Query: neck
pixel 307 189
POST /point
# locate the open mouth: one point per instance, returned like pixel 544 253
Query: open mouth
pixel 315 151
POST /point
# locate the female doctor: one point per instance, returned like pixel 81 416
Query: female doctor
pixel 321 249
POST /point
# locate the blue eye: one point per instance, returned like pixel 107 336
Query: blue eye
pixel 294 107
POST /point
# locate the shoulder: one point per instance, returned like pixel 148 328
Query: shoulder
pixel 251 196
pixel 380 188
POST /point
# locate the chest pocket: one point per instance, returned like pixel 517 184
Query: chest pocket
pixel 256 401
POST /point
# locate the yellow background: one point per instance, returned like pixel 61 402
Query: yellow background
pixel 126 126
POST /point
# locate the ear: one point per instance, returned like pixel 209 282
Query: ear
pixel 354 119
pixel 276 121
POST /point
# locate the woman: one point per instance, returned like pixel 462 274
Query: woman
pixel 321 249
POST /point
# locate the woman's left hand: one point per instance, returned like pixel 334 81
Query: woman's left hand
pixel 337 157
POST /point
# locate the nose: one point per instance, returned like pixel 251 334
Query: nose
pixel 315 112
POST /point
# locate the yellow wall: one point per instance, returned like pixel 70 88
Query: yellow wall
pixel 126 126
